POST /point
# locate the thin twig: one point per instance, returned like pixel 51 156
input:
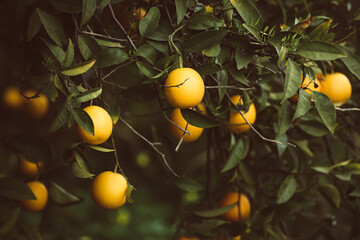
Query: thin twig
pixel 117 165
pixel 115 69
pixel 178 85
pixel 168 13
pixel 267 68
pixel 182 138
pixel 104 36
pixel 347 109
pixel 114 84
pixel 152 144
pixel 122 28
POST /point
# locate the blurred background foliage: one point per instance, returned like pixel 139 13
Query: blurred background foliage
pixel 325 205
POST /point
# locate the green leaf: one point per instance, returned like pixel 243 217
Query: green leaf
pixel 223 78
pixel 101 149
pixel 180 10
pixel 109 56
pixel 282 147
pixel 303 145
pixel 115 112
pixel 88 9
pixel 352 61
pixel 201 21
pixel 303 105
pixel 282 55
pixel 87 46
pixel 15 189
pixel 78 69
pixel 204 40
pixel 314 128
pixel 287 190
pixel 284 119
pixel 212 51
pixel 34 26
pixel 83 119
pixel 79 167
pixel 60 120
pixel 197 119
pixel 235 157
pixel 57 51
pixel 321 51
pixel 105 43
pixel 242 59
pixel 67 6
pixel 248 11
pixel 148 52
pixel 188 184
pixel 326 110
pixel 321 169
pixel 69 56
pixel 62 197
pixel 247 173
pixel 146 69
pixel 292 80
pixel 89 95
pixel 320 32
pixel 253 30
pixel 331 194
pixel 238 76
pixel 52 26
pixel 150 22
pixel 129 191
pixel 214 212
pixel 10 221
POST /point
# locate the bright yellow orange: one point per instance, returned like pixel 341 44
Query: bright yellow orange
pixel 41 194
pixel 36 107
pixel 108 190
pixel 28 169
pixel 103 126
pixel 236 122
pixel 177 133
pixel 233 214
pixel 12 98
pixel 337 87
pixel 308 86
pixel 184 88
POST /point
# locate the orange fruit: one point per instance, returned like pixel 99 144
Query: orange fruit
pixel 308 86
pixel 177 133
pixel 233 214
pixel 337 87
pixel 108 190
pixel 237 123
pixel 12 99
pixel 103 126
pixel 41 194
pixel 28 169
pixel 184 88
pixel 36 107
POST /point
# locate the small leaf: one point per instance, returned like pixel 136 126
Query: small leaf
pixel 303 105
pixel 285 118
pixel 83 119
pixel 88 9
pixel 52 26
pixel 69 56
pixel 287 190
pixel 292 80
pixel 115 112
pixel 352 61
pixel 101 149
pixel 242 59
pixel 62 197
pixel 197 119
pixel 204 40
pixel 314 128
pixel 238 76
pixel 282 55
pixel 88 46
pixel 148 52
pixel 331 194
pixel 180 10
pixel 78 69
pixel 109 57
pixel 57 51
pixel 248 12
pixel 60 120
pixel 79 167
pixel 150 22
pixel 129 191
pixel 15 189
pixel 326 110
pixel 303 145
pixel 201 21
pixel 214 212
pixel 212 51
pixel 282 147
pixel 320 51
pixel 89 95
pixel 235 157
pixel 253 30
pixel 34 26
pixel 110 44
pixel 188 184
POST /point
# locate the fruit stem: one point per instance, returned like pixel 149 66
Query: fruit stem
pixel 172 44
pixel 117 164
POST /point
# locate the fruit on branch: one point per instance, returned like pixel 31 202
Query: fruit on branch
pixel 177 133
pixel 103 126
pixel 184 88
pixel 29 169
pixel 41 194
pixel 36 104
pixel 108 190
pixel 308 85
pixel 12 98
pixel 337 87
pixel 233 214
pixel 237 123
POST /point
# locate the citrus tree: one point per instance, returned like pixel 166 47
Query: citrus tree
pixel 197 119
